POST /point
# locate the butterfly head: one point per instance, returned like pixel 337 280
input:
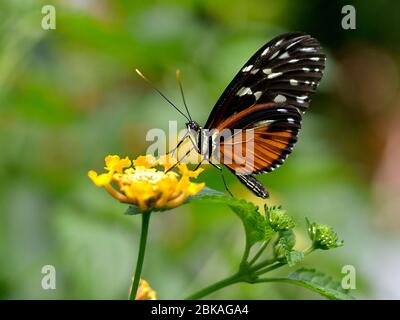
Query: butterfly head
pixel 193 126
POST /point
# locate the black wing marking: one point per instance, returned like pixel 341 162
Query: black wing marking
pixel 287 70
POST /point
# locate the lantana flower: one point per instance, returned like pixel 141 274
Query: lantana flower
pixel 145 292
pixel 141 182
pixel 278 219
pixel 323 236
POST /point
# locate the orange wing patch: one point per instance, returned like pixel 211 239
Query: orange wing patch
pixel 260 150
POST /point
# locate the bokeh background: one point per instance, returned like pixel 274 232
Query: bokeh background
pixel 70 96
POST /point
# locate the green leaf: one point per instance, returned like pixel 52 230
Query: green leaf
pixel 255 225
pixel 318 282
pixel 205 192
pixel 293 257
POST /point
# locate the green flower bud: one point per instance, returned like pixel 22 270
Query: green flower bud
pixel 283 249
pixel 278 219
pixel 285 243
pixel 323 236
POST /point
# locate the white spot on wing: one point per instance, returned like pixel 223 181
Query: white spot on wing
pixel 294 61
pixel 314 59
pixel 257 95
pixel 301 99
pixel 279 42
pixel 244 90
pixel 274 55
pixel 254 71
pixel 293 82
pixel 265 51
pixel 306 69
pixel 280 98
pixel 267 71
pixel 290 120
pixel 263 123
pixel 308 49
pixel 284 55
pixel 282 110
pixel 248 68
pixel 292 44
pixel 274 75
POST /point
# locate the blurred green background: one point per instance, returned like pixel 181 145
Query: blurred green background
pixel 70 96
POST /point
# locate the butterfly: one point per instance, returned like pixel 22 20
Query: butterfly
pixel 266 100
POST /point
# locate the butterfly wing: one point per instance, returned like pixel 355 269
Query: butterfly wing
pixel 287 70
pixel 268 136
pixel 269 132
pixel 266 98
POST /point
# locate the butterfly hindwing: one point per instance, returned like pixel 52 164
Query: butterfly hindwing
pixel 285 70
pixel 268 136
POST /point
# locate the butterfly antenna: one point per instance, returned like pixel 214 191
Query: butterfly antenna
pixel 160 93
pixel 178 78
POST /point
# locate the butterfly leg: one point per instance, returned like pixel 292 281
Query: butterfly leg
pixel 199 164
pixel 179 144
pixel 222 176
pixel 180 160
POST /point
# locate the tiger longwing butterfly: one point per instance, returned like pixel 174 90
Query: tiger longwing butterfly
pixel 266 99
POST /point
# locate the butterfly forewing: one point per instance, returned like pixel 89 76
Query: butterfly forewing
pixel 285 70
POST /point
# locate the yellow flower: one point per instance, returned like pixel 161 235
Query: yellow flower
pixel 145 292
pixel 147 161
pixel 144 185
pixel 115 164
pixel 186 172
pixel 167 161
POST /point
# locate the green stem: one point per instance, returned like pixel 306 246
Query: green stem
pixel 241 276
pixel 263 280
pixel 262 264
pixel 308 250
pixel 246 254
pixel 259 252
pixel 237 277
pixel 142 250
pixel 261 271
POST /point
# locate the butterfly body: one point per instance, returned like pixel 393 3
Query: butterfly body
pixel 255 123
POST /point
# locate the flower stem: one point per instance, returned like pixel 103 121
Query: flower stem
pixel 142 249
pixel 237 277
pixel 259 271
pixel 308 250
pixel 259 252
pixel 246 254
